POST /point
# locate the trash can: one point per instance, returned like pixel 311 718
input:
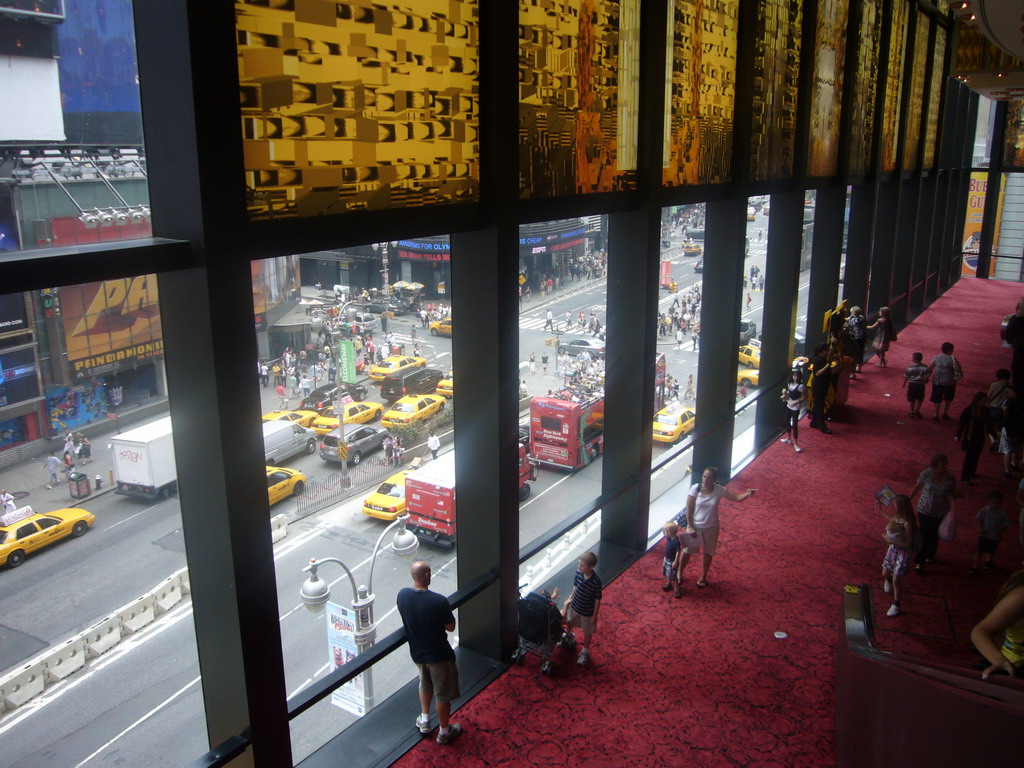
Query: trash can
pixel 78 484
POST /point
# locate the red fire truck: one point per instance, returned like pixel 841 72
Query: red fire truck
pixel 567 430
pixel 430 497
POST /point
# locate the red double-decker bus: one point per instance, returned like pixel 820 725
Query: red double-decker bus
pixel 567 431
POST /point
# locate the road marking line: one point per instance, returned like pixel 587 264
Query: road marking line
pixel 132 517
pixel 140 721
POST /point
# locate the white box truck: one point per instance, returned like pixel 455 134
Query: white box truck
pixel 144 461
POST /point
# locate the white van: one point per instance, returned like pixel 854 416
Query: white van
pixel 283 439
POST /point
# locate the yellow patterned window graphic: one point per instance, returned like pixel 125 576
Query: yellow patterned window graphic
pixel 578 66
pixel 934 98
pixel 827 91
pixel 865 80
pixel 702 53
pixel 1013 155
pixel 777 50
pixel 916 104
pixel 351 105
pixel 894 85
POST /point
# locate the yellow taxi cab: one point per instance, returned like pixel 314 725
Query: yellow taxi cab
pixel 748 377
pixel 283 482
pixel 355 413
pixel 690 247
pixel 388 501
pixel 446 386
pixel 412 408
pixel 750 355
pixel 23 531
pixel 672 422
pixel 302 418
pixel 394 364
pixel 441 327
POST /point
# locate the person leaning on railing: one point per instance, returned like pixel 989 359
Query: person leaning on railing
pixel 1007 619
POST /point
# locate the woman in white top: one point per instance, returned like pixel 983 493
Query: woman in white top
pixel 702 517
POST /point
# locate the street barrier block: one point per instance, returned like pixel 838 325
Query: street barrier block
pixel 278 528
pixel 65 659
pixel 102 636
pixel 137 614
pixel 168 594
pixel 186 585
pixel 23 684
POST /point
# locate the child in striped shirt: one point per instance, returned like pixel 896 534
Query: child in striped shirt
pixel 584 603
pixel 914 379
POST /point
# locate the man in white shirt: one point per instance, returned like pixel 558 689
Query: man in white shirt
pixel 434 444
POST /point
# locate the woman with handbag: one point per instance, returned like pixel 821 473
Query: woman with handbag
pixel 937 488
pixel 945 371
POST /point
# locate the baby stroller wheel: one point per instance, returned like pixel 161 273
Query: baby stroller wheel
pixel 568 642
pixel 517 656
pixel 545 668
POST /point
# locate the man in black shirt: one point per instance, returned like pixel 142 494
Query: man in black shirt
pixel 822 370
pixel 427 617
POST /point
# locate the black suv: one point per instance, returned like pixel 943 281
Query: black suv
pixel 420 381
pixel 322 398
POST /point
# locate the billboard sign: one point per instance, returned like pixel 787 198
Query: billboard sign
pixel 112 321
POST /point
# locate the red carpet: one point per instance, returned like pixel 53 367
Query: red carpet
pixel 703 681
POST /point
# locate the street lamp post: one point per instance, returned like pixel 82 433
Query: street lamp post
pixel 315 592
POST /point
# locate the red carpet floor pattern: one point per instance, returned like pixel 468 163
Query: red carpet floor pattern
pixel 703 681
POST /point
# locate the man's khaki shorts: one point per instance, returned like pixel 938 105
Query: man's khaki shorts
pixel 440 680
pixel 586 623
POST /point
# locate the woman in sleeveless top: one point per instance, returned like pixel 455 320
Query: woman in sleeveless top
pixel 1006 619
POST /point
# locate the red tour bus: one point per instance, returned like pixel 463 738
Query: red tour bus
pixel 564 433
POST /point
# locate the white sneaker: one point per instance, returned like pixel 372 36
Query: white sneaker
pixel 784 440
pixel 887 585
pixel 583 658
pixel 798 449
pixel 423 723
pixel 894 610
pixel 49 487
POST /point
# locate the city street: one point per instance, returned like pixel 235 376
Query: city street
pixel 135 545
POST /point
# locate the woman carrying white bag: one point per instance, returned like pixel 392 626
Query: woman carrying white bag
pixel 937 488
pixel 702 521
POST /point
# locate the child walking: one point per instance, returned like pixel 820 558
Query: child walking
pixel 584 603
pixel 992 521
pixel 899 535
pixel 673 555
pixel 914 379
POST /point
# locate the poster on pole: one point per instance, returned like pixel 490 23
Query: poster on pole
pixel 972 226
pixel 341 647
pixel 347 362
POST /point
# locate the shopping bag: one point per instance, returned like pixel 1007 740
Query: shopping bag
pixel 690 540
pixel 947 528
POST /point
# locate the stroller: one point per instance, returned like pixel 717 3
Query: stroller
pixel 541 629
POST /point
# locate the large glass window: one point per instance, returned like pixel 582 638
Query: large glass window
pixel 102 600
pixel 562 315
pixel 355 360
pixel 751 321
pixel 675 421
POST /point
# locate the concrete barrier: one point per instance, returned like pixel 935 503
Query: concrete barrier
pixel 23 684
pixel 64 659
pixel 168 594
pixel 186 585
pixel 102 636
pixel 137 614
pixel 278 528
